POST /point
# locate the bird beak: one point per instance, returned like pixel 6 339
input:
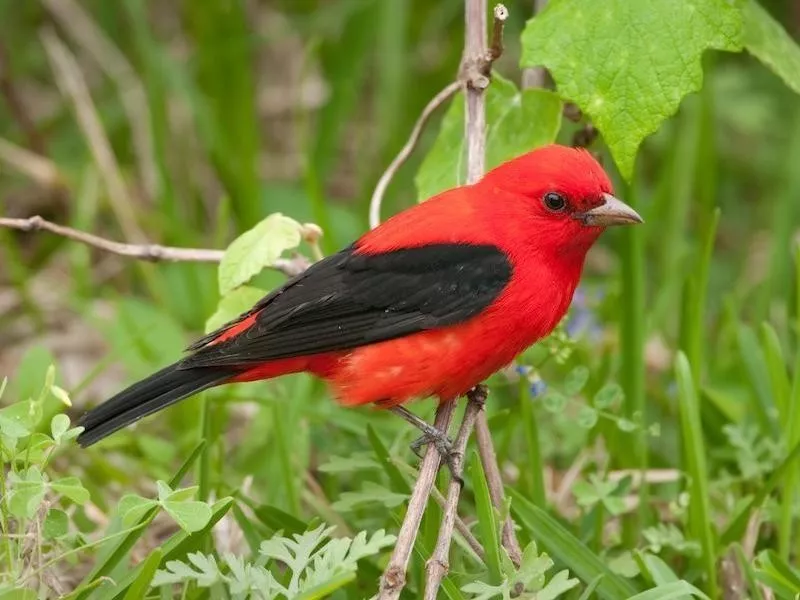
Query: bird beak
pixel 613 212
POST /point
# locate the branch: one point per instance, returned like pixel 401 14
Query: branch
pixel 394 578
pixel 150 252
pixel 438 565
pixel 406 150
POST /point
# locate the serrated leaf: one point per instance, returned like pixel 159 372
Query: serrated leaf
pixel 587 417
pixel 576 379
pixel 256 249
pixel 232 305
pixel 56 524
pixel 190 515
pixel 768 41
pixel 516 122
pixel 72 488
pixel 131 508
pixel 558 585
pixel 629 64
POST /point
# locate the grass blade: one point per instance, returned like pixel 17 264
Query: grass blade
pixel 694 458
pixel 486 520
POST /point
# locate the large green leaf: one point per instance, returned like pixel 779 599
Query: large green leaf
pixel 768 41
pixel 629 64
pixel 256 249
pixel 516 122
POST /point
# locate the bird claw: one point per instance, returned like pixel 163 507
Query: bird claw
pixel 444 446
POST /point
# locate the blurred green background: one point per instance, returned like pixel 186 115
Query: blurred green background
pixel 185 123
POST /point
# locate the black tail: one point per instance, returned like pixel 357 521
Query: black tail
pixel 160 390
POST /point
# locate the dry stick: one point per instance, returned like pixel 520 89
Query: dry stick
pixel 151 252
pixel 394 577
pixel 476 148
pixel 438 565
pixel 406 150
pixel 476 69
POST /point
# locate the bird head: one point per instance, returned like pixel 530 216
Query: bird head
pixel 564 191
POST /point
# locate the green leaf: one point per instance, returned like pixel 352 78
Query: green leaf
pixel 554 402
pixel 768 41
pixel 568 549
pixel 576 380
pixel 629 64
pixel 72 488
pixel 256 249
pixel 608 396
pixel 180 495
pixel 370 493
pixel 587 417
pixel 132 508
pixel 516 122
pixel 13 428
pixel 56 524
pixel 59 426
pixel 232 305
pixel 190 515
pixel 25 498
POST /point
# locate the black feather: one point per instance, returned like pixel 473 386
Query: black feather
pixel 352 299
pixel 167 386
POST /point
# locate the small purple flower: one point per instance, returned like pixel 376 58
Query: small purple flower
pixel 538 388
pixel 522 370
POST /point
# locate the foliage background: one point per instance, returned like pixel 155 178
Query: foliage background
pixel 222 112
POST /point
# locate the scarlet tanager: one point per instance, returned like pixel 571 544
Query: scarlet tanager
pixel 430 303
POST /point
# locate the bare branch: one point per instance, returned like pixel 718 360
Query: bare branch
pixel 394 577
pixel 496 48
pixel 406 150
pixel 150 252
pixel 536 77
pixel 439 564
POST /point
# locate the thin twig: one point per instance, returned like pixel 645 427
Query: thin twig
pixel 402 156
pixel 151 252
pixel 39 168
pixel 439 564
pixel 394 577
pixel 476 152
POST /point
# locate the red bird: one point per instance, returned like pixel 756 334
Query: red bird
pixel 430 303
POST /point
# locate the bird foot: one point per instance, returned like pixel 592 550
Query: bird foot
pixel 443 445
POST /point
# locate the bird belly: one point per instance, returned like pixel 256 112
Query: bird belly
pixel 445 362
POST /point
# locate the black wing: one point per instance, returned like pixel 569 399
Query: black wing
pixel 350 299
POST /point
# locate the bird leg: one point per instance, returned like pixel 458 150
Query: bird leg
pixel 430 435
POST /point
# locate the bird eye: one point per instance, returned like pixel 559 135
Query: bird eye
pixel 554 201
